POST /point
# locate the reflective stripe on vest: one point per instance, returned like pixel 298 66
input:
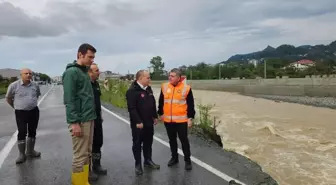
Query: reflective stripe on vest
pixel 181 102
pixel 176 117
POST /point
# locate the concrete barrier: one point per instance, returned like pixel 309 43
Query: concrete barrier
pixel 315 86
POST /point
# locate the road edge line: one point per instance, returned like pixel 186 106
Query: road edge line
pixel 194 159
pixel 9 145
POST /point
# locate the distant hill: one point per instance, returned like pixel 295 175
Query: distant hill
pixel 290 52
pixel 8 73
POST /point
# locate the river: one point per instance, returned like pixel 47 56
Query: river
pixel 295 144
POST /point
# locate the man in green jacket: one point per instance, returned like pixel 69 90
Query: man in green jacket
pixel 80 111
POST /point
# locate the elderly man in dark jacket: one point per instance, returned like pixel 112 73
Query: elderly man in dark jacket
pixel 143 117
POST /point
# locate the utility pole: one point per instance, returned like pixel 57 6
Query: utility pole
pixel 190 74
pixel 265 69
pixel 219 71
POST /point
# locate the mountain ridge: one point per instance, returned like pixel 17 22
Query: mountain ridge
pixel 289 52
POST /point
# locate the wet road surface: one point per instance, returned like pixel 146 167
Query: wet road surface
pixel 54 166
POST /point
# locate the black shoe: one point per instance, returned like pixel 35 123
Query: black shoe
pixel 138 169
pixel 173 161
pixel 96 166
pixel 92 176
pixel 22 156
pixel 151 164
pixel 188 165
pixel 30 148
pixel 232 182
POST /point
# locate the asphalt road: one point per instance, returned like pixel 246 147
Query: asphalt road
pixel 54 142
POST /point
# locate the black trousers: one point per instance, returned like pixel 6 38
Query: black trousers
pixel 180 130
pixel 142 136
pixel 97 136
pixel 27 120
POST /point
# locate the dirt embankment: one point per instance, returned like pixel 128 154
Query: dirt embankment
pixel 293 143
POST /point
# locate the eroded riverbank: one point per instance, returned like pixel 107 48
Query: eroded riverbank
pixel 293 143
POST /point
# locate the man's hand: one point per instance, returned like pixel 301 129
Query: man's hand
pixel 140 125
pixel 161 118
pixel 76 130
pixel 10 102
pixel 189 123
pixel 155 121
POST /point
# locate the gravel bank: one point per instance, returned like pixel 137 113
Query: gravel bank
pixel 328 102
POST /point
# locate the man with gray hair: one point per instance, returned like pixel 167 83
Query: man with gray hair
pixel 142 110
pixel 22 95
pixel 176 108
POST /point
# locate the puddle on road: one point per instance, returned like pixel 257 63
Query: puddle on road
pixel 295 144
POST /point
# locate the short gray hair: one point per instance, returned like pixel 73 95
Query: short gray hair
pixel 177 71
pixel 140 73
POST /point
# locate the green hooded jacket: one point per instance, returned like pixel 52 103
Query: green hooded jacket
pixel 78 94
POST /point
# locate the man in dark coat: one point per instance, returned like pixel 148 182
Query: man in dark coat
pixel 98 126
pixel 142 110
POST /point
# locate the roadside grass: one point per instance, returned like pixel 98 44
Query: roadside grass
pixel 3 88
pixel 115 94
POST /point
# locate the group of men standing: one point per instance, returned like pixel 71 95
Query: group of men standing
pixel 175 109
pixel 84 116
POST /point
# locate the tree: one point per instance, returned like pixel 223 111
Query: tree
pixel 157 65
pixel 13 79
pixel 44 77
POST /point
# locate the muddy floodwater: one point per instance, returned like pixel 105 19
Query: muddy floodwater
pixel 295 144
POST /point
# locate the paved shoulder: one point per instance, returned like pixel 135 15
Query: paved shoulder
pixel 54 166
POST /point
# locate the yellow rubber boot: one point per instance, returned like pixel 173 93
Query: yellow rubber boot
pixel 78 178
pixel 86 175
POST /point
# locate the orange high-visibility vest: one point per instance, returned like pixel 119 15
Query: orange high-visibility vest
pixel 175 103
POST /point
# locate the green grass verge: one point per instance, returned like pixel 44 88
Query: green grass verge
pixel 116 93
pixel 3 88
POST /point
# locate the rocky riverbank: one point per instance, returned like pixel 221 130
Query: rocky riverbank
pixel 327 102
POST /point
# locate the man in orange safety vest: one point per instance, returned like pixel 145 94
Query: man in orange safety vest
pixel 176 109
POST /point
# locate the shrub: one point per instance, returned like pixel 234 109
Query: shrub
pixel 3 88
pixel 205 125
pixel 116 93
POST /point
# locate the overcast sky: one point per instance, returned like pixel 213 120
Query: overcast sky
pixel 44 34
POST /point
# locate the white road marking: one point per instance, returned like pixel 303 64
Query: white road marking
pixel 194 159
pixel 9 145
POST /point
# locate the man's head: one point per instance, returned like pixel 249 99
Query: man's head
pixel 26 74
pixel 175 76
pixel 143 77
pixel 94 72
pixel 86 54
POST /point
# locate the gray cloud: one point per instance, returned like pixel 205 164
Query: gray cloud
pixel 128 33
pixel 63 18
pixel 151 18
pixel 15 22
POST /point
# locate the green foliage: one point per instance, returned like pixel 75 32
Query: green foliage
pixel 4 84
pixel 274 67
pixel 205 121
pixel 242 69
pixel 2 90
pixel 206 126
pixel 157 65
pixel 116 93
pixel 44 77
